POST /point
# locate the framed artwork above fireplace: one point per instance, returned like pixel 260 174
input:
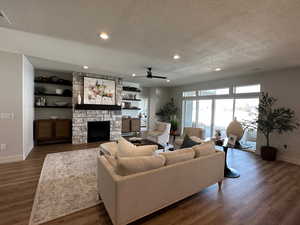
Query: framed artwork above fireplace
pixel 99 91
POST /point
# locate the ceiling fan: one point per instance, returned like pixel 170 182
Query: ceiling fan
pixel 149 75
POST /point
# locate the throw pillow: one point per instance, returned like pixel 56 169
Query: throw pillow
pixel 196 139
pixel 188 142
pixel 127 149
pixel 131 165
pixel 204 149
pixel 178 156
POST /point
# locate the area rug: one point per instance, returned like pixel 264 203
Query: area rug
pixel 67 184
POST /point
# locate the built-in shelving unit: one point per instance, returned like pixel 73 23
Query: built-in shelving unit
pixel 128 99
pixel 131 108
pixel 54 95
pixel 131 89
pixel 64 83
pixel 54 107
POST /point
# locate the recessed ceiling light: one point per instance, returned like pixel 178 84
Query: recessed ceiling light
pixel 133 74
pixel 85 67
pixel 218 69
pixel 103 35
pixel 176 56
pixel 168 80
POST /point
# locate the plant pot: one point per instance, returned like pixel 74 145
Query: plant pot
pixel 268 153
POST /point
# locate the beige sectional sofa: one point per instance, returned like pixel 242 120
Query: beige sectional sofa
pixel 128 198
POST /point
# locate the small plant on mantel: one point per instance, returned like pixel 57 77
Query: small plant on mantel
pixel 273 119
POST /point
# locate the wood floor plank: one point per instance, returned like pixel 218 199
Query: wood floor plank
pixel 267 193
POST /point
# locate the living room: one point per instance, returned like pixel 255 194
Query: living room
pixel 149 112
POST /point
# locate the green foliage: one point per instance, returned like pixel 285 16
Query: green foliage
pixel 271 119
pixel 174 124
pixel 168 111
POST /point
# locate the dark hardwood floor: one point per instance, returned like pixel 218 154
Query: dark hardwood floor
pixel 267 193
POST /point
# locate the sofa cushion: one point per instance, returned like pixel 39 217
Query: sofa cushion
pixel 178 155
pixel 109 148
pixel 127 149
pixel 196 139
pixel 204 149
pixel 188 142
pixel 130 165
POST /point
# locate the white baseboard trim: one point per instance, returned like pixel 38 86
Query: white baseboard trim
pixel 12 158
pixel 290 160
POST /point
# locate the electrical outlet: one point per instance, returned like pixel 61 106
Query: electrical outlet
pixel 7 116
pixel 3 147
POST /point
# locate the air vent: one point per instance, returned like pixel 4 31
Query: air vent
pixel 4 18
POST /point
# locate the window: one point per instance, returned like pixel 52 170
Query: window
pixel 189 94
pixel 247 89
pixel 189 113
pixel 214 109
pixel 221 91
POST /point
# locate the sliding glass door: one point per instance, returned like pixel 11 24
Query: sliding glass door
pixel 214 109
pixel 246 110
pixel 190 113
pixel 223 115
pixel 205 116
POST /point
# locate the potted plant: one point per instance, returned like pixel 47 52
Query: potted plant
pixel 168 111
pixel 273 119
pixel 174 125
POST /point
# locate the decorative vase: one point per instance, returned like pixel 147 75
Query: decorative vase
pixel 79 99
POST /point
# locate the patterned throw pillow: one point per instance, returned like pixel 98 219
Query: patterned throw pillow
pixel 188 142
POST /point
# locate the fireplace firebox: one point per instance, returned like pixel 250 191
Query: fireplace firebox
pixel 98 131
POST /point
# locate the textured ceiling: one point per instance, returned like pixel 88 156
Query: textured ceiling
pixel 237 35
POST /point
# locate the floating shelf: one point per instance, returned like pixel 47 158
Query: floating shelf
pixel 53 107
pixel 55 95
pixel 97 107
pixel 131 108
pixel 131 89
pixel 66 83
pixel 128 99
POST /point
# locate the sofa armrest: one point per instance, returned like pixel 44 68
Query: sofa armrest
pixel 107 186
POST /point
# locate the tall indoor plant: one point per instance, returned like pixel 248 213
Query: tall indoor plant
pixel 273 119
pixel 168 113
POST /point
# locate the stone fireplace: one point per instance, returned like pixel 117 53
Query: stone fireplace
pixel 82 117
pixel 98 131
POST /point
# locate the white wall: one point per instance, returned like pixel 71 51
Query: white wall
pixel 283 84
pixel 28 106
pixel 11 102
pixel 16 106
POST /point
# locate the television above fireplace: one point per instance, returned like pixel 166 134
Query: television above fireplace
pixel 99 91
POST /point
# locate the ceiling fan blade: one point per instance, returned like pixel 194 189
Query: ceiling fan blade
pixel 159 77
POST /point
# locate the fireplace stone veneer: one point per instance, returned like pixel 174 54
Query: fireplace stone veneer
pixel 82 117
